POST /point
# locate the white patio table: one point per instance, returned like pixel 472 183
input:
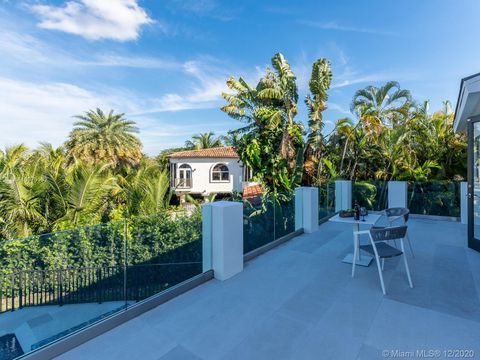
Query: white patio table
pixel 369 219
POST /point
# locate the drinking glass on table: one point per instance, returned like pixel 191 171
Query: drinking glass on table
pixel 363 212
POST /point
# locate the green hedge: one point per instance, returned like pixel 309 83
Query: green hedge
pixel 150 239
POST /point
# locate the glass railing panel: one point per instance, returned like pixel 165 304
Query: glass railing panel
pixel 163 251
pixel 284 215
pixel 326 199
pixel 258 222
pixel 441 198
pixel 371 194
pixel 54 284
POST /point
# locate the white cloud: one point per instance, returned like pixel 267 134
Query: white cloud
pixel 31 112
pixel 203 79
pixel 210 8
pixel 338 107
pixel 160 132
pixel 22 47
pixel 347 75
pixel 302 67
pixel 332 25
pixel 119 20
pixel 35 112
pixel 351 78
pixel 204 93
pixel 27 49
pixel 196 6
pixel 115 60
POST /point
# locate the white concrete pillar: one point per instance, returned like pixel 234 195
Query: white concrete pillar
pixel 464 202
pixel 397 194
pixel 306 209
pixel 343 195
pixel 223 238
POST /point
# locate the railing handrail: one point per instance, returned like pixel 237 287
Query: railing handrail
pixel 21 271
pixel 36 287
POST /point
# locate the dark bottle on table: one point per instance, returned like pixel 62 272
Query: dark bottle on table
pixel 356 211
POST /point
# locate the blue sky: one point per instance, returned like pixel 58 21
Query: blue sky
pixel 164 63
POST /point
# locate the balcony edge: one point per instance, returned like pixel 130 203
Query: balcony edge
pixel 263 249
pixel 81 336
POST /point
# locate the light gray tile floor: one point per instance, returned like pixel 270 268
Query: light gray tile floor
pixel 298 301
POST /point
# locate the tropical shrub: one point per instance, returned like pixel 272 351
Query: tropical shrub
pixel 373 195
pixel 440 198
pixel 151 239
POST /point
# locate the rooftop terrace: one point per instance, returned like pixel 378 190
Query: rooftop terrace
pixel 299 301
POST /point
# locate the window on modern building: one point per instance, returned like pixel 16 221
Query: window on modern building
pixel 220 173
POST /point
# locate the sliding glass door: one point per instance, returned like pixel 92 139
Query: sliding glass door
pixel 474 184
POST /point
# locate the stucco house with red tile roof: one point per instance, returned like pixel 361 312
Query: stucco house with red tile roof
pixel 208 171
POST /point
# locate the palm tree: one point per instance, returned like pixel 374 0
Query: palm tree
pixel 316 102
pixel 99 137
pixel 20 206
pixel 279 90
pixel 203 141
pixel 319 84
pixel 144 190
pixel 342 137
pixel 20 192
pixel 387 105
pixel 13 158
pixel 271 140
pixel 84 194
pixel 230 139
pixel 2 160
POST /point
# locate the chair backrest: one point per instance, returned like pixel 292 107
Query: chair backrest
pixel 389 233
pixel 399 211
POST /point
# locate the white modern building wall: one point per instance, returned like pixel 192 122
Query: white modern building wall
pixel 467 119
pixel 343 195
pixel 397 194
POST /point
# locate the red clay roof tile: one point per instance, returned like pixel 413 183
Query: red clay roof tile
pixel 217 152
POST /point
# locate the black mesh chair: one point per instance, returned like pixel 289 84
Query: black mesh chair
pixel 398 216
pixel 379 248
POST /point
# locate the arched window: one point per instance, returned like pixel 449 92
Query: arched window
pixel 220 173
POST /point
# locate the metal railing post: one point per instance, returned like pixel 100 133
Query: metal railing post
pixel 125 261
pixel 13 291
pixel 137 286
pixel 60 287
pixel 99 287
pixel 20 292
pixel 1 293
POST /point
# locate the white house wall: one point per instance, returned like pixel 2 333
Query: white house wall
pixel 201 175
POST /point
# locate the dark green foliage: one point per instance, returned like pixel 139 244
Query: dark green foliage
pixel 396 144
pixel 271 139
pixel 163 239
pixel 373 195
pixel 159 251
pixel 267 220
pixel 434 198
pixel 326 199
pixel 151 239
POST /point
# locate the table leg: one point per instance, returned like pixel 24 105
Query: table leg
pixel 356 240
